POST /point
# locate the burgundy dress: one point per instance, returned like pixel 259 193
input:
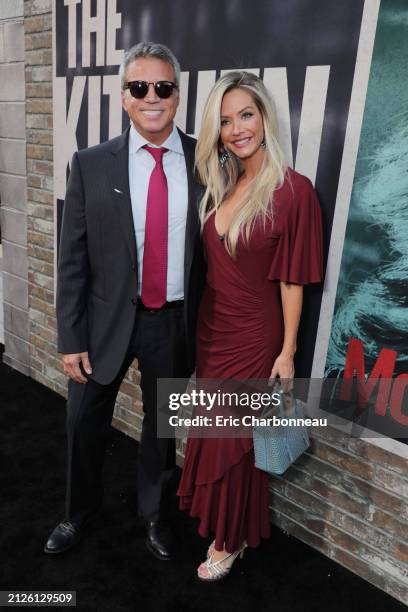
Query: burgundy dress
pixel 239 335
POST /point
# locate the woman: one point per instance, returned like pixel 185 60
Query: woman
pixel 262 233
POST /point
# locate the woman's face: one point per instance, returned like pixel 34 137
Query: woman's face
pixel 241 123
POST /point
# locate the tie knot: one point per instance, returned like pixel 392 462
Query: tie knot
pixel 156 152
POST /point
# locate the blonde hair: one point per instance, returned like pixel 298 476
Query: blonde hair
pixel 219 181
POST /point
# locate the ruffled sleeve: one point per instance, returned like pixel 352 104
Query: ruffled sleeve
pixel 299 253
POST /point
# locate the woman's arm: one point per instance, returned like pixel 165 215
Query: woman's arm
pixel 292 298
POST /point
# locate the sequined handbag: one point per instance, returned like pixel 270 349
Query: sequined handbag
pixel 276 447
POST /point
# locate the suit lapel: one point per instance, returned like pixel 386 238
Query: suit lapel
pixel 119 179
pixel 192 223
pixel 119 174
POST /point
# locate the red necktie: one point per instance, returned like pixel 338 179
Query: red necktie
pixel 154 275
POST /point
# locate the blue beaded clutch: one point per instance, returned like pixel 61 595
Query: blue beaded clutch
pixel 277 447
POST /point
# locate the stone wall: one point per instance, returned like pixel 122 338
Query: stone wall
pixel 13 184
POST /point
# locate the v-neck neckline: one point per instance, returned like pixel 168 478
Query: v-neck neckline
pixel 220 236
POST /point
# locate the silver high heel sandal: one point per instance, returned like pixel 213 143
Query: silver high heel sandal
pixel 210 549
pixel 216 570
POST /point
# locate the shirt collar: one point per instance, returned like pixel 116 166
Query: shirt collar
pixel 172 143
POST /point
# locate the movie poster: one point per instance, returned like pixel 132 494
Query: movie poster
pixel 304 51
pixel 371 309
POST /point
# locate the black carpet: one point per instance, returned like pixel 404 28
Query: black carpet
pixel 111 569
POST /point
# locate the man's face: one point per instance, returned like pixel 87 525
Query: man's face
pixel 152 116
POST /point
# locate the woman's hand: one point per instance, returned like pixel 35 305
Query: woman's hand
pixel 284 368
pixel 292 298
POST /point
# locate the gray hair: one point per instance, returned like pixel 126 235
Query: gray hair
pixel 149 49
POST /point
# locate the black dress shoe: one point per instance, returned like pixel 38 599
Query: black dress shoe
pixel 160 540
pixel 66 535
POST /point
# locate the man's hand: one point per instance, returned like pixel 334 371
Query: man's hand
pixel 71 366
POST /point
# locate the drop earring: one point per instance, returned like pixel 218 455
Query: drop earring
pixel 223 156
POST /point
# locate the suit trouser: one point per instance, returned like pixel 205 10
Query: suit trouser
pixel 158 342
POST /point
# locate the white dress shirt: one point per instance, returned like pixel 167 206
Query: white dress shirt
pixel 141 164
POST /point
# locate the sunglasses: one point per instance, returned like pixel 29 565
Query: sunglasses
pixel 139 89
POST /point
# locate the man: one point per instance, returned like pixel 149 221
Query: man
pixel 130 274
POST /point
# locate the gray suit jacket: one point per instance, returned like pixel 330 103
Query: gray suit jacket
pixel 97 260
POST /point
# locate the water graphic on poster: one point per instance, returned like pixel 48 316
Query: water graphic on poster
pixel 371 309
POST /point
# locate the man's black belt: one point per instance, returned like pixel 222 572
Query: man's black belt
pixel 166 305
